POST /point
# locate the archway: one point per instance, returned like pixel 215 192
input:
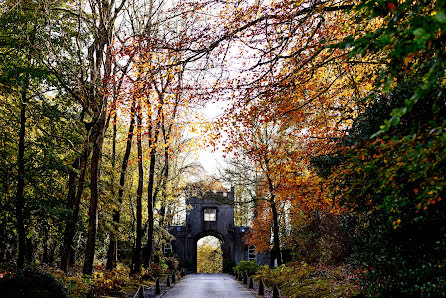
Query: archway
pixel 214 250
pixel 209 255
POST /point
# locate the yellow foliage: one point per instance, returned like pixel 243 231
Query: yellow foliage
pixel 209 257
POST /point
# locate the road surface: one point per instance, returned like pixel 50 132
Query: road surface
pixel 208 286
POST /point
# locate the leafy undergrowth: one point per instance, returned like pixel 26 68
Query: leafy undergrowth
pixel 103 283
pixel 303 280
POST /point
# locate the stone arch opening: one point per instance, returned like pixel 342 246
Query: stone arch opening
pixel 209 255
pixel 221 242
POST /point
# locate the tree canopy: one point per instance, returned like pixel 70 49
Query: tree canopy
pixel 333 131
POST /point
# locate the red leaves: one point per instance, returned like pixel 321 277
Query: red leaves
pixel 391 6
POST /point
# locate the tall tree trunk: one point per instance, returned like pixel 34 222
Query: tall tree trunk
pixel 276 241
pixel 150 203
pixel 93 93
pixel 72 259
pixel 71 197
pixel 166 135
pixel 20 200
pixel 71 185
pixel 277 254
pixel 97 140
pixel 150 198
pixel 111 255
pixel 70 227
pixel 29 253
pixel 137 250
pixel 164 186
pixel 112 249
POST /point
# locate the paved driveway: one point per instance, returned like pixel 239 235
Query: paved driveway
pixel 208 286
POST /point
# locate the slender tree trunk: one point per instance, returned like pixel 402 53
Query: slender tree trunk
pixel 97 140
pixel 164 187
pixel 276 241
pixel 150 203
pixel 94 94
pixel 20 200
pixel 72 259
pixel 72 178
pixel 166 135
pixel 71 198
pixel 111 255
pixel 137 250
pixel 100 57
pixel 166 171
pixel 277 254
pixel 150 199
pixel 70 227
pixel 29 253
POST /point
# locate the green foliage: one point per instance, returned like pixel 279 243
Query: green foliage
pixel 303 280
pixel 47 165
pixel 394 188
pixel 19 34
pixel 51 131
pixel 250 266
pixel 409 38
pixel 163 266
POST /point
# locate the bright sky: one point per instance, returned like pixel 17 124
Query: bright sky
pixel 210 240
pixel 211 161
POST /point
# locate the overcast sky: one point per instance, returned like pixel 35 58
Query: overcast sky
pixel 211 161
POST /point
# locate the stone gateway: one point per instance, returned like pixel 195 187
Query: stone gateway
pixel 212 214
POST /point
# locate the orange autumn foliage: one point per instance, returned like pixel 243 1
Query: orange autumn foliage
pixel 260 236
pixel 292 101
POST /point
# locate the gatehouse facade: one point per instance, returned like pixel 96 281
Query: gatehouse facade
pixel 212 214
